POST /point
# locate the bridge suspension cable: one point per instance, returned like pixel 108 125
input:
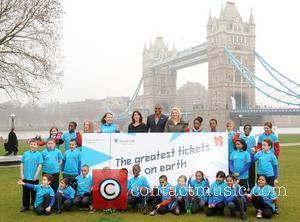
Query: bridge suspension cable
pixel 127 111
pixel 264 87
pixel 289 84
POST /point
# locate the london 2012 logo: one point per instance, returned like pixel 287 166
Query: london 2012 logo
pixel 218 140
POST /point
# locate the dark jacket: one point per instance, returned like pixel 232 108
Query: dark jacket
pixel 179 127
pixel 12 142
pixel 142 128
pixel 152 127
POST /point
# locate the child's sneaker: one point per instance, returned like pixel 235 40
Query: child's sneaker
pixel 92 210
pixel 153 213
pixel 108 211
pixel 144 211
pixel 243 216
pixel 259 214
pixel 23 209
pixel 177 211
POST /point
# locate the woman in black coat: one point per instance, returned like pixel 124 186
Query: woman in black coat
pixel 137 125
pixel 12 143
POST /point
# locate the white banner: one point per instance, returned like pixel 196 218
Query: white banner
pixel 172 154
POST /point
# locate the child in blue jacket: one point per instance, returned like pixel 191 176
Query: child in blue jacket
pixel 216 195
pixel 64 196
pixel 45 198
pixel 200 188
pixel 234 197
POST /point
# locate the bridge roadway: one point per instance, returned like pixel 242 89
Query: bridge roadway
pixel 267 111
pixel 189 57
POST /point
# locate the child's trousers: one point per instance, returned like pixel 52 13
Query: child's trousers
pixel 259 204
pixel 219 208
pixel 83 201
pixel 197 204
pixel 237 205
pixel 41 209
pixel 62 202
pixel 28 192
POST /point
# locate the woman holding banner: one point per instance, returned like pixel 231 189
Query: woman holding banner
pixel 137 125
pixel 88 127
pixel 175 122
pixel 107 124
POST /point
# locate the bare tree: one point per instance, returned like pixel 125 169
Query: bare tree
pixel 30 31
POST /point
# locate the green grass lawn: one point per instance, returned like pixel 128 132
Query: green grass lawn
pixel 289 138
pixel 10 201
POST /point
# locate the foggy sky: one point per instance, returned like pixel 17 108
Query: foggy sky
pixel 103 41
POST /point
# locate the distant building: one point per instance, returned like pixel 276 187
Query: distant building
pixel 115 104
pixel 192 95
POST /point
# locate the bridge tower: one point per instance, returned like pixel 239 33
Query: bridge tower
pixel 225 84
pixel 159 84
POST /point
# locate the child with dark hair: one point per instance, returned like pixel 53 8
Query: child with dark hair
pixel 164 198
pixel 84 183
pixel 71 134
pixel 52 159
pixel 71 162
pixel 64 195
pixel 216 196
pixel 200 187
pixel 54 134
pixel 138 189
pixel 240 163
pixel 45 199
pixel 251 147
pixel 196 125
pixel 263 197
pixel 233 195
pixel 213 123
pixel 180 205
pixel 31 165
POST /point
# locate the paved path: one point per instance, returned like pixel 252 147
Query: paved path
pixel 10 161
pixel 290 144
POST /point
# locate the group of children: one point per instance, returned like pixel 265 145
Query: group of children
pixel 232 191
pixel 75 187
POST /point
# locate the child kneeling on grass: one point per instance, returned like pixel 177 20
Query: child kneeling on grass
pixel 64 196
pixel 45 199
pixel 216 196
pixel 233 195
pixel 84 183
pixel 180 205
pixel 200 187
pixel 164 198
pixel 263 197
pixel 138 189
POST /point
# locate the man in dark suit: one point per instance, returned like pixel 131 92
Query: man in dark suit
pixel 157 121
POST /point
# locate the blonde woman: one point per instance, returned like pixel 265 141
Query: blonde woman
pixel 88 127
pixel 175 122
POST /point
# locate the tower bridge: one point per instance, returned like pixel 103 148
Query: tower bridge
pixel 229 53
